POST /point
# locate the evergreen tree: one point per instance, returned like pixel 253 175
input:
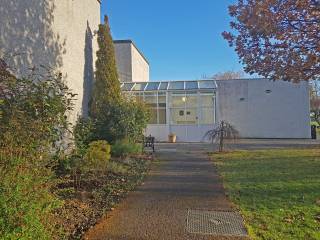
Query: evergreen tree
pixel 106 90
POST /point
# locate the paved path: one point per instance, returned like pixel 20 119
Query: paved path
pixel 158 209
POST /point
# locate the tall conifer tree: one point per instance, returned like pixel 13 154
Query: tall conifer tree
pixel 106 90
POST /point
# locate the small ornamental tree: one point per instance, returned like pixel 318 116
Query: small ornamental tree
pixel 106 89
pixel 222 131
pixel 278 39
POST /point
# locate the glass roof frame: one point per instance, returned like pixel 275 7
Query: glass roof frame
pixel 158 86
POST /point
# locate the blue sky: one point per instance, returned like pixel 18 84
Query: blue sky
pixel 180 38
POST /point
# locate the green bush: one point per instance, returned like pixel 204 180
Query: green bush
pixel 122 120
pixel 117 168
pixel 125 148
pixel 96 157
pixel 33 123
pixel 25 200
pixel 83 135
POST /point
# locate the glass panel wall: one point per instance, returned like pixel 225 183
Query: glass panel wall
pixel 184 107
pixel 206 108
pixel 191 85
pixel 176 85
pixel 191 108
pixel 162 108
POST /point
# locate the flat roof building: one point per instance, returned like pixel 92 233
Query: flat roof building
pixel 132 64
pixel 257 108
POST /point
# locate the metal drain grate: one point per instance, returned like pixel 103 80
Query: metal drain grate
pixel 215 223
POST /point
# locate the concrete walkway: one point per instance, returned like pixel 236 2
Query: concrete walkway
pixel 158 209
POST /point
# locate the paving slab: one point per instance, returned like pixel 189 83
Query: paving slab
pixel 185 180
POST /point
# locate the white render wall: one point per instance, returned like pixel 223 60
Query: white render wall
pixel 265 109
pixel 131 64
pixel 55 33
pixel 140 67
pixel 258 108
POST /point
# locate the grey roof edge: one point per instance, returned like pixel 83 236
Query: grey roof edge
pixel 168 89
pixel 243 79
pixel 132 42
pixel 209 79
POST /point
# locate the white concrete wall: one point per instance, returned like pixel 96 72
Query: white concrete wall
pixel 131 64
pixel 140 67
pixel 184 133
pixel 160 132
pixel 54 33
pixel 282 113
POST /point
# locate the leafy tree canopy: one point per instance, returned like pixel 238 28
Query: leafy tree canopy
pixel 279 39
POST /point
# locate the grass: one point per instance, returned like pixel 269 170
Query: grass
pixel 277 191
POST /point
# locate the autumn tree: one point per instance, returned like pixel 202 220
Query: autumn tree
pixel 106 88
pixel 278 39
pixel 315 101
pixel 228 75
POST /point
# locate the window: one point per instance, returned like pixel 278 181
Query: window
pixel 127 86
pixel 151 99
pixel 206 84
pixel 207 108
pixel 191 116
pixel 206 100
pixel 191 100
pixel 162 108
pixel 154 116
pixel 177 116
pixel 139 86
pixel 157 103
pixel 184 108
pixel 191 85
pixel 152 86
pixel 139 96
pixel 178 100
pixel 207 115
pixel 162 114
pixel 176 86
pixel 163 86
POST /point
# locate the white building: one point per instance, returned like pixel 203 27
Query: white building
pixel 257 108
pixel 58 34
pixel 132 64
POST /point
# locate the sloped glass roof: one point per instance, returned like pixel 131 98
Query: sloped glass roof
pixel 169 85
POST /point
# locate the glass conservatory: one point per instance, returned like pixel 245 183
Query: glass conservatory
pixel 184 108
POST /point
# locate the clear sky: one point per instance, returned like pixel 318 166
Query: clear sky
pixel 180 38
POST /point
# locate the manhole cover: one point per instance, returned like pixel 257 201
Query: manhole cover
pixel 215 223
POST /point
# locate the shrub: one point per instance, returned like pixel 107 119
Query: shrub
pixel 83 135
pixel 125 148
pixel 117 168
pixel 33 111
pixel 97 156
pixel 25 200
pixel 122 120
pixel 220 132
pixel 33 123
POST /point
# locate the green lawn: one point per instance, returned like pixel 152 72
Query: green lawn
pixel 277 191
